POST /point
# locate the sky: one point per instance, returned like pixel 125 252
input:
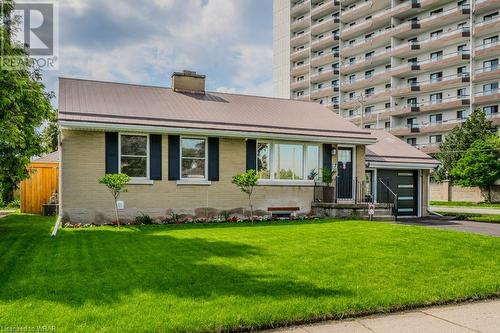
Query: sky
pixel 144 41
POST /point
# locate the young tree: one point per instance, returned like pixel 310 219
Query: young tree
pixel 50 134
pixel 480 165
pixel 116 185
pixel 24 108
pixel 458 140
pixel 246 183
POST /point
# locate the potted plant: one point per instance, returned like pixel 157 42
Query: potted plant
pixel 328 189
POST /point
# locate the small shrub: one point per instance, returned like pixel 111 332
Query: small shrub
pixel 144 219
pixel 16 203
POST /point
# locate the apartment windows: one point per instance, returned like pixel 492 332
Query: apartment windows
pixel 491 109
pixel 490 17
pixel 369 55
pixel 387 105
pixel 299 33
pixel 368 36
pixel 462 49
pixel 436 98
pixel 320 85
pixel 335 83
pixel 462 25
pixel 411 122
pixel 412 82
pixel 352 78
pixel 388 86
pixel 436 12
pixel 461 71
pixel 351 95
pixel 352 41
pixel 367 18
pixel 490 65
pixel 461 115
pixel 388 47
pixel 436 34
pixel 352 24
pixel 490 40
pixel 387 124
pixel 433 139
pixel 368 110
pixel 335 100
pixel 413 61
pixel 368 126
pixel 134 155
pixel 462 3
pixel 369 91
pixel 351 113
pixel 352 61
pixel 369 74
pixel 411 141
pixel 387 68
pixel 435 56
pixel 319 53
pixel 299 63
pixel 490 88
pixel 436 118
pixel 462 92
pixel 413 40
pixel 193 158
pixel 300 93
pixel 335 66
pixel 436 77
pixel 412 102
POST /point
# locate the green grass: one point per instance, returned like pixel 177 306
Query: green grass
pixel 492 218
pixel 465 204
pixel 226 277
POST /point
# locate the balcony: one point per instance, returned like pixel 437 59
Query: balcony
pixel 325 75
pixel 405 9
pixel 299 84
pixel 405 130
pixel 364 9
pixel 301 39
pixel 446 17
pixel 487 50
pixel 378 96
pixel 486 97
pixel 486 73
pixel 447 82
pixel 487 27
pixel 373 116
pixel 300 24
pixel 446 60
pixel 378 39
pixel 304 97
pixel 427 107
pixel 327 7
pixel 300 54
pixel 377 59
pixel 300 8
pixel 377 21
pixel 324 42
pixel 406 29
pixel 482 6
pixel 299 70
pixel 324 92
pixel 405 69
pixel 447 38
pixel 326 25
pixel 359 83
pixel 333 106
pixel 428 148
pixel 324 59
pixel 406 49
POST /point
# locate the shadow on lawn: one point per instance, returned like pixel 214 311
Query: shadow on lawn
pixel 101 266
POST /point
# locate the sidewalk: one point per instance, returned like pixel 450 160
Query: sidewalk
pixel 470 210
pixel 481 317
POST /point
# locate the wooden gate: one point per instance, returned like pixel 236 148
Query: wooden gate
pixel 37 190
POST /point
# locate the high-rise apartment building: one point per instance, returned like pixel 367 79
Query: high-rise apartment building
pixel 416 68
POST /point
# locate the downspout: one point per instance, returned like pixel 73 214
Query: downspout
pixel 57 225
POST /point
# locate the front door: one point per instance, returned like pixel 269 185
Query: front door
pixel 344 171
pixel 404 184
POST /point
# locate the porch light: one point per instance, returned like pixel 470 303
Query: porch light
pixel 334 151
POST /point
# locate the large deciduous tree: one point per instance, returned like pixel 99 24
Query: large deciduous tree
pixel 458 140
pixel 24 108
pixel 480 165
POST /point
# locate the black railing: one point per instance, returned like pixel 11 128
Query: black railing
pixel 386 195
pixel 340 190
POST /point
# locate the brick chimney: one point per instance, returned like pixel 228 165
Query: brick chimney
pixel 188 82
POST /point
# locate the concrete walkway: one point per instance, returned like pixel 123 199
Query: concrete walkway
pixel 470 210
pixel 481 317
pixel 485 228
pixel 4 213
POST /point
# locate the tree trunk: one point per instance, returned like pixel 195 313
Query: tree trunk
pixel 489 194
pixel 116 214
pixel 251 208
pixel 7 194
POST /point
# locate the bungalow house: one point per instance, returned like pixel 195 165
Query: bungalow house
pixel 182 145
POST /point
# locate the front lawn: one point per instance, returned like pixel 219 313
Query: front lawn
pixel 465 204
pixel 222 277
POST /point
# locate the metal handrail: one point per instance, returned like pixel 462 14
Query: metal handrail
pixel 395 210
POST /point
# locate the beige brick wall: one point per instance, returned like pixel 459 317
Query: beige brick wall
pixel 86 201
pixel 444 192
pixel 360 163
pixel 425 192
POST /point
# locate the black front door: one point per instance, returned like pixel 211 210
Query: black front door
pixel 344 171
pixel 404 184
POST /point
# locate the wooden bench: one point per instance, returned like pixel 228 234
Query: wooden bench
pixel 282 210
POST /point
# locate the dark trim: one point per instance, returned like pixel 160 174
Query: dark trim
pixel 174 158
pixel 111 152
pixel 327 157
pixel 251 146
pixel 155 157
pixel 213 159
pixel 202 122
pixel 403 157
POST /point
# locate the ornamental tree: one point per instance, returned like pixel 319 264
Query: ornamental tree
pixel 480 165
pixel 246 182
pixel 116 185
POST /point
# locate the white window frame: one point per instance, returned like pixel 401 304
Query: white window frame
pixel 206 159
pixel 133 179
pixel 272 163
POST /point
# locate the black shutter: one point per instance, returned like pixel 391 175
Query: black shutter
pixel 213 159
pixel 251 154
pixel 327 157
pixel 111 148
pixel 155 157
pixel 174 172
